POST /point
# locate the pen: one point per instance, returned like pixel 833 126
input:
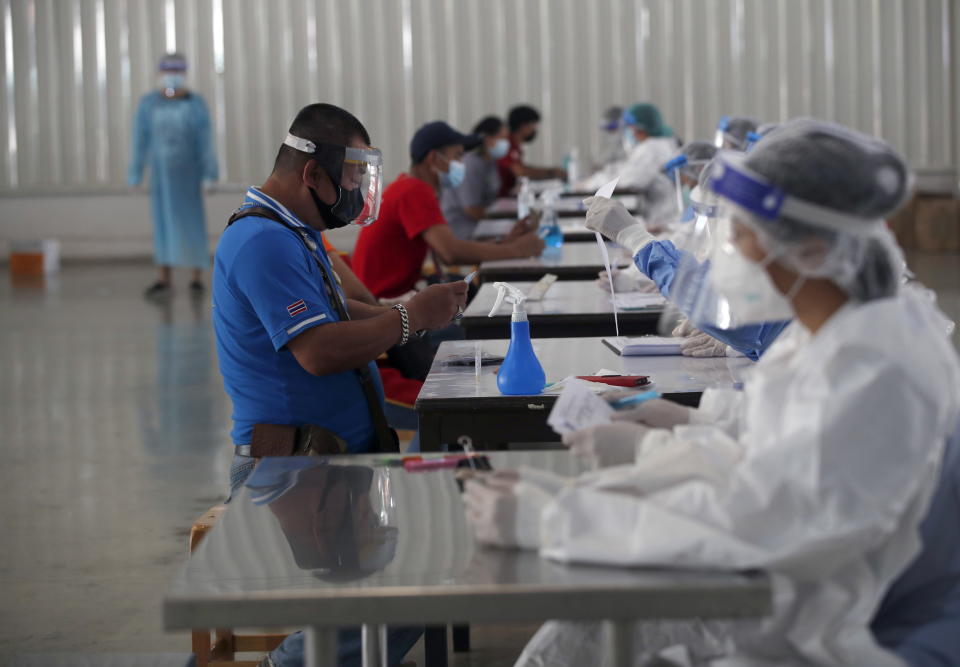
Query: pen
pixel 430 464
pixel 467 280
pixel 636 399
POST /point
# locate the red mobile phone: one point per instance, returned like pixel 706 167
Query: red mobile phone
pixel 618 380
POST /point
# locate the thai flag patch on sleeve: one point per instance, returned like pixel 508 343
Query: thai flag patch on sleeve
pixel 296 308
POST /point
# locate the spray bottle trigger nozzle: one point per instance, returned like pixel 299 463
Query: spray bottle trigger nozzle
pixel 511 294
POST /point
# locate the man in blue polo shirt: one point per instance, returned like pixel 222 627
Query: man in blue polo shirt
pixel 295 355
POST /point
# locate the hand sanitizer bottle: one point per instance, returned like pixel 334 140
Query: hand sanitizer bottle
pixel 521 373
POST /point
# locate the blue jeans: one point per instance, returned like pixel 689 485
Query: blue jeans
pixel 290 652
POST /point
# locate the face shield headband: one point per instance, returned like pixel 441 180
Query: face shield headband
pixel 752 139
pixel 357 176
pixel 174 65
pixel 753 194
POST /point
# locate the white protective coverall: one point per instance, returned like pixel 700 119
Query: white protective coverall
pixel 643 164
pixel 819 471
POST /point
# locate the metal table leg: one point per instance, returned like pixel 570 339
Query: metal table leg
pixel 320 646
pixel 373 645
pixel 620 642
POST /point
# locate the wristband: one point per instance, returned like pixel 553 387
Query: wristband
pixel 404 323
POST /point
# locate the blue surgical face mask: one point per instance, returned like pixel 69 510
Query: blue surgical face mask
pixel 629 139
pixel 454 174
pixel 172 81
pixel 499 149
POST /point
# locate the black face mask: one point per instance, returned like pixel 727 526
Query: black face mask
pixel 345 210
pixel 530 137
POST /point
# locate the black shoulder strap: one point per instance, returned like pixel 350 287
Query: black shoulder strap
pixel 386 440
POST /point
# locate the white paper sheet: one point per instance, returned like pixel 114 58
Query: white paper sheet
pixel 578 408
pixel 608 189
pixel 607 192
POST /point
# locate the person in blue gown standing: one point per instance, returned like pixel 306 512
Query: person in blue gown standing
pixel 172 134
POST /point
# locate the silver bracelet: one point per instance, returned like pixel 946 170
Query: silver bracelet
pixel 404 323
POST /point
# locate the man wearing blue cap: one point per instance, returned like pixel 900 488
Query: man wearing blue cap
pixel 389 256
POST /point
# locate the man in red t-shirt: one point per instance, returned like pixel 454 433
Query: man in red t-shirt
pixel 523 121
pixel 389 254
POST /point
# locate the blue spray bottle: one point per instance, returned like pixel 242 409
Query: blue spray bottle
pixel 521 373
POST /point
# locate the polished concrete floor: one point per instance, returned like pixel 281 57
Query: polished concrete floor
pixel 114 438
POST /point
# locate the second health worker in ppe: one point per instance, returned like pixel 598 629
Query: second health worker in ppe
pixel 662 259
pixel 172 135
pixel 819 471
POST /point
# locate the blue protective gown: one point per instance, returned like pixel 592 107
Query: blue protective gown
pixel 919 618
pixel 174 135
pixel 659 260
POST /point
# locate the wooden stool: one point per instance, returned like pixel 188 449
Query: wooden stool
pixel 219 650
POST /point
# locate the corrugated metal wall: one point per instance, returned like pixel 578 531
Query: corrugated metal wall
pixel 72 71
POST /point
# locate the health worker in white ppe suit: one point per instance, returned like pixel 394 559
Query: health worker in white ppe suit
pixel 648 143
pixel 819 471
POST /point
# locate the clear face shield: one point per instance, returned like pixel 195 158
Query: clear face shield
pixel 680 167
pixel 357 176
pixel 722 126
pixel 717 285
pixel 363 172
pixel 689 295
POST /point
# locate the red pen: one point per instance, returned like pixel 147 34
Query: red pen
pixel 431 464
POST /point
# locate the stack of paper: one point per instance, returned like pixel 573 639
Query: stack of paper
pixel 637 300
pixel 644 346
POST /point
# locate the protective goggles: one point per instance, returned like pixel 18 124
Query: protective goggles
pixel 356 172
pixel 751 193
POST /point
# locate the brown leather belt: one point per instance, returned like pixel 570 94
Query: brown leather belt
pixel 286 440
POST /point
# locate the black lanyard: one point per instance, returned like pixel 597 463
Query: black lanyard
pixel 386 441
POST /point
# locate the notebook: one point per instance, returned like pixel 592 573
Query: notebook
pixel 646 346
pixel 637 301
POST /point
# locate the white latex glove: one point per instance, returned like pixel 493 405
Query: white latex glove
pixel 700 344
pixel 656 413
pixel 504 513
pixel 612 219
pixel 623 281
pixel 684 329
pixel 607 445
pixel 542 479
